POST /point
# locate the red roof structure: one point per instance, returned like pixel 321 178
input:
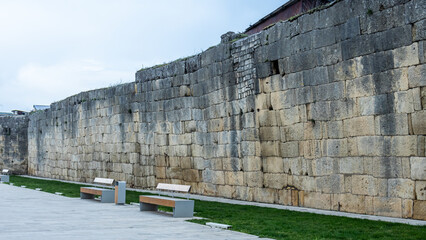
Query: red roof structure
pixel 286 11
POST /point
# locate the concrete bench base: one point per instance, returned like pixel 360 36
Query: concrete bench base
pixel 4 178
pixel 107 195
pixel 181 207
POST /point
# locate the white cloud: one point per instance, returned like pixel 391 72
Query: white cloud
pixel 52 49
pixel 39 84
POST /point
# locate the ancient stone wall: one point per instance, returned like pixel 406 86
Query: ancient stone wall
pixel 326 110
pixel 14 144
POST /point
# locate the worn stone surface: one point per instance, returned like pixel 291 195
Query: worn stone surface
pixel 326 114
pixel 14 144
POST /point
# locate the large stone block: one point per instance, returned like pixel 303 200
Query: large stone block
pixel 351 165
pixel 333 129
pixel 419 210
pixel 330 184
pixel 191 175
pixel 335 147
pixel 360 87
pixel 317 200
pixel 273 165
pixel 269 133
pixel 289 116
pixel 275 180
pixel 418 168
pixel 234 178
pixel 252 163
pixel 406 56
pixel 391 124
pixel 363 185
pixel 265 195
pixel 373 146
pixel 420 190
pixel 386 167
pixel 404 146
pixel 289 149
pixel 349 203
pixel 384 206
pixel 419 122
pixel 359 126
pixel 401 188
pixel 253 179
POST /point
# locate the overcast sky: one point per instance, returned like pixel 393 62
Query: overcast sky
pixel 52 49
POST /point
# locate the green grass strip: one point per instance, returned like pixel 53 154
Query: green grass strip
pixel 262 221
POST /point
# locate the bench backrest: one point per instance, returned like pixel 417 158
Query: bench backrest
pixel 106 181
pixel 5 171
pixel 173 187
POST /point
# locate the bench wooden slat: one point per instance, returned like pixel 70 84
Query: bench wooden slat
pixel 91 191
pixel 104 181
pixel 157 201
pixel 173 187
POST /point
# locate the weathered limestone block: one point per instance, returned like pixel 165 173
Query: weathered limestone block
pixel 266 195
pixel 310 149
pixel 391 124
pixel 417 76
pixel 304 183
pixel 334 129
pixel 234 178
pixel 253 179
pixel 387 167
pixel 419 210
pixel 351 165
pixel 284 197
pixel 378 104
pixel 334 183
pixel 317 200
pixel 191 175
pixel 226 191
pixel 420 190
pixel 359 126
pixel 267 118
pixel 294 132
pixel 275 180
pixel 419 122
pixel 289 149
pixel 407 208
pixel 269 133
pixel 232 164
pixel 289 116
pixel 384 206
pixel 263 101
pixel 401 188
pixel 418 168
pixel 363 185
pixel 360 87
pixel 313 130
pixel 406 56
pixel 244 193
pixel 349 203
pixel 324 166
pixel 273 165
pixel 270 148
pixel 335 147
pixel 252 163
pixel 404 102
pixel 404 146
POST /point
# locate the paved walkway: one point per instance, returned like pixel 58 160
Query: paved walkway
pixel 30 214
pixel 277 206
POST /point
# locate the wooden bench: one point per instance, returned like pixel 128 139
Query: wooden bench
pixel 4 177
pixel 181 207
pixel 107 195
